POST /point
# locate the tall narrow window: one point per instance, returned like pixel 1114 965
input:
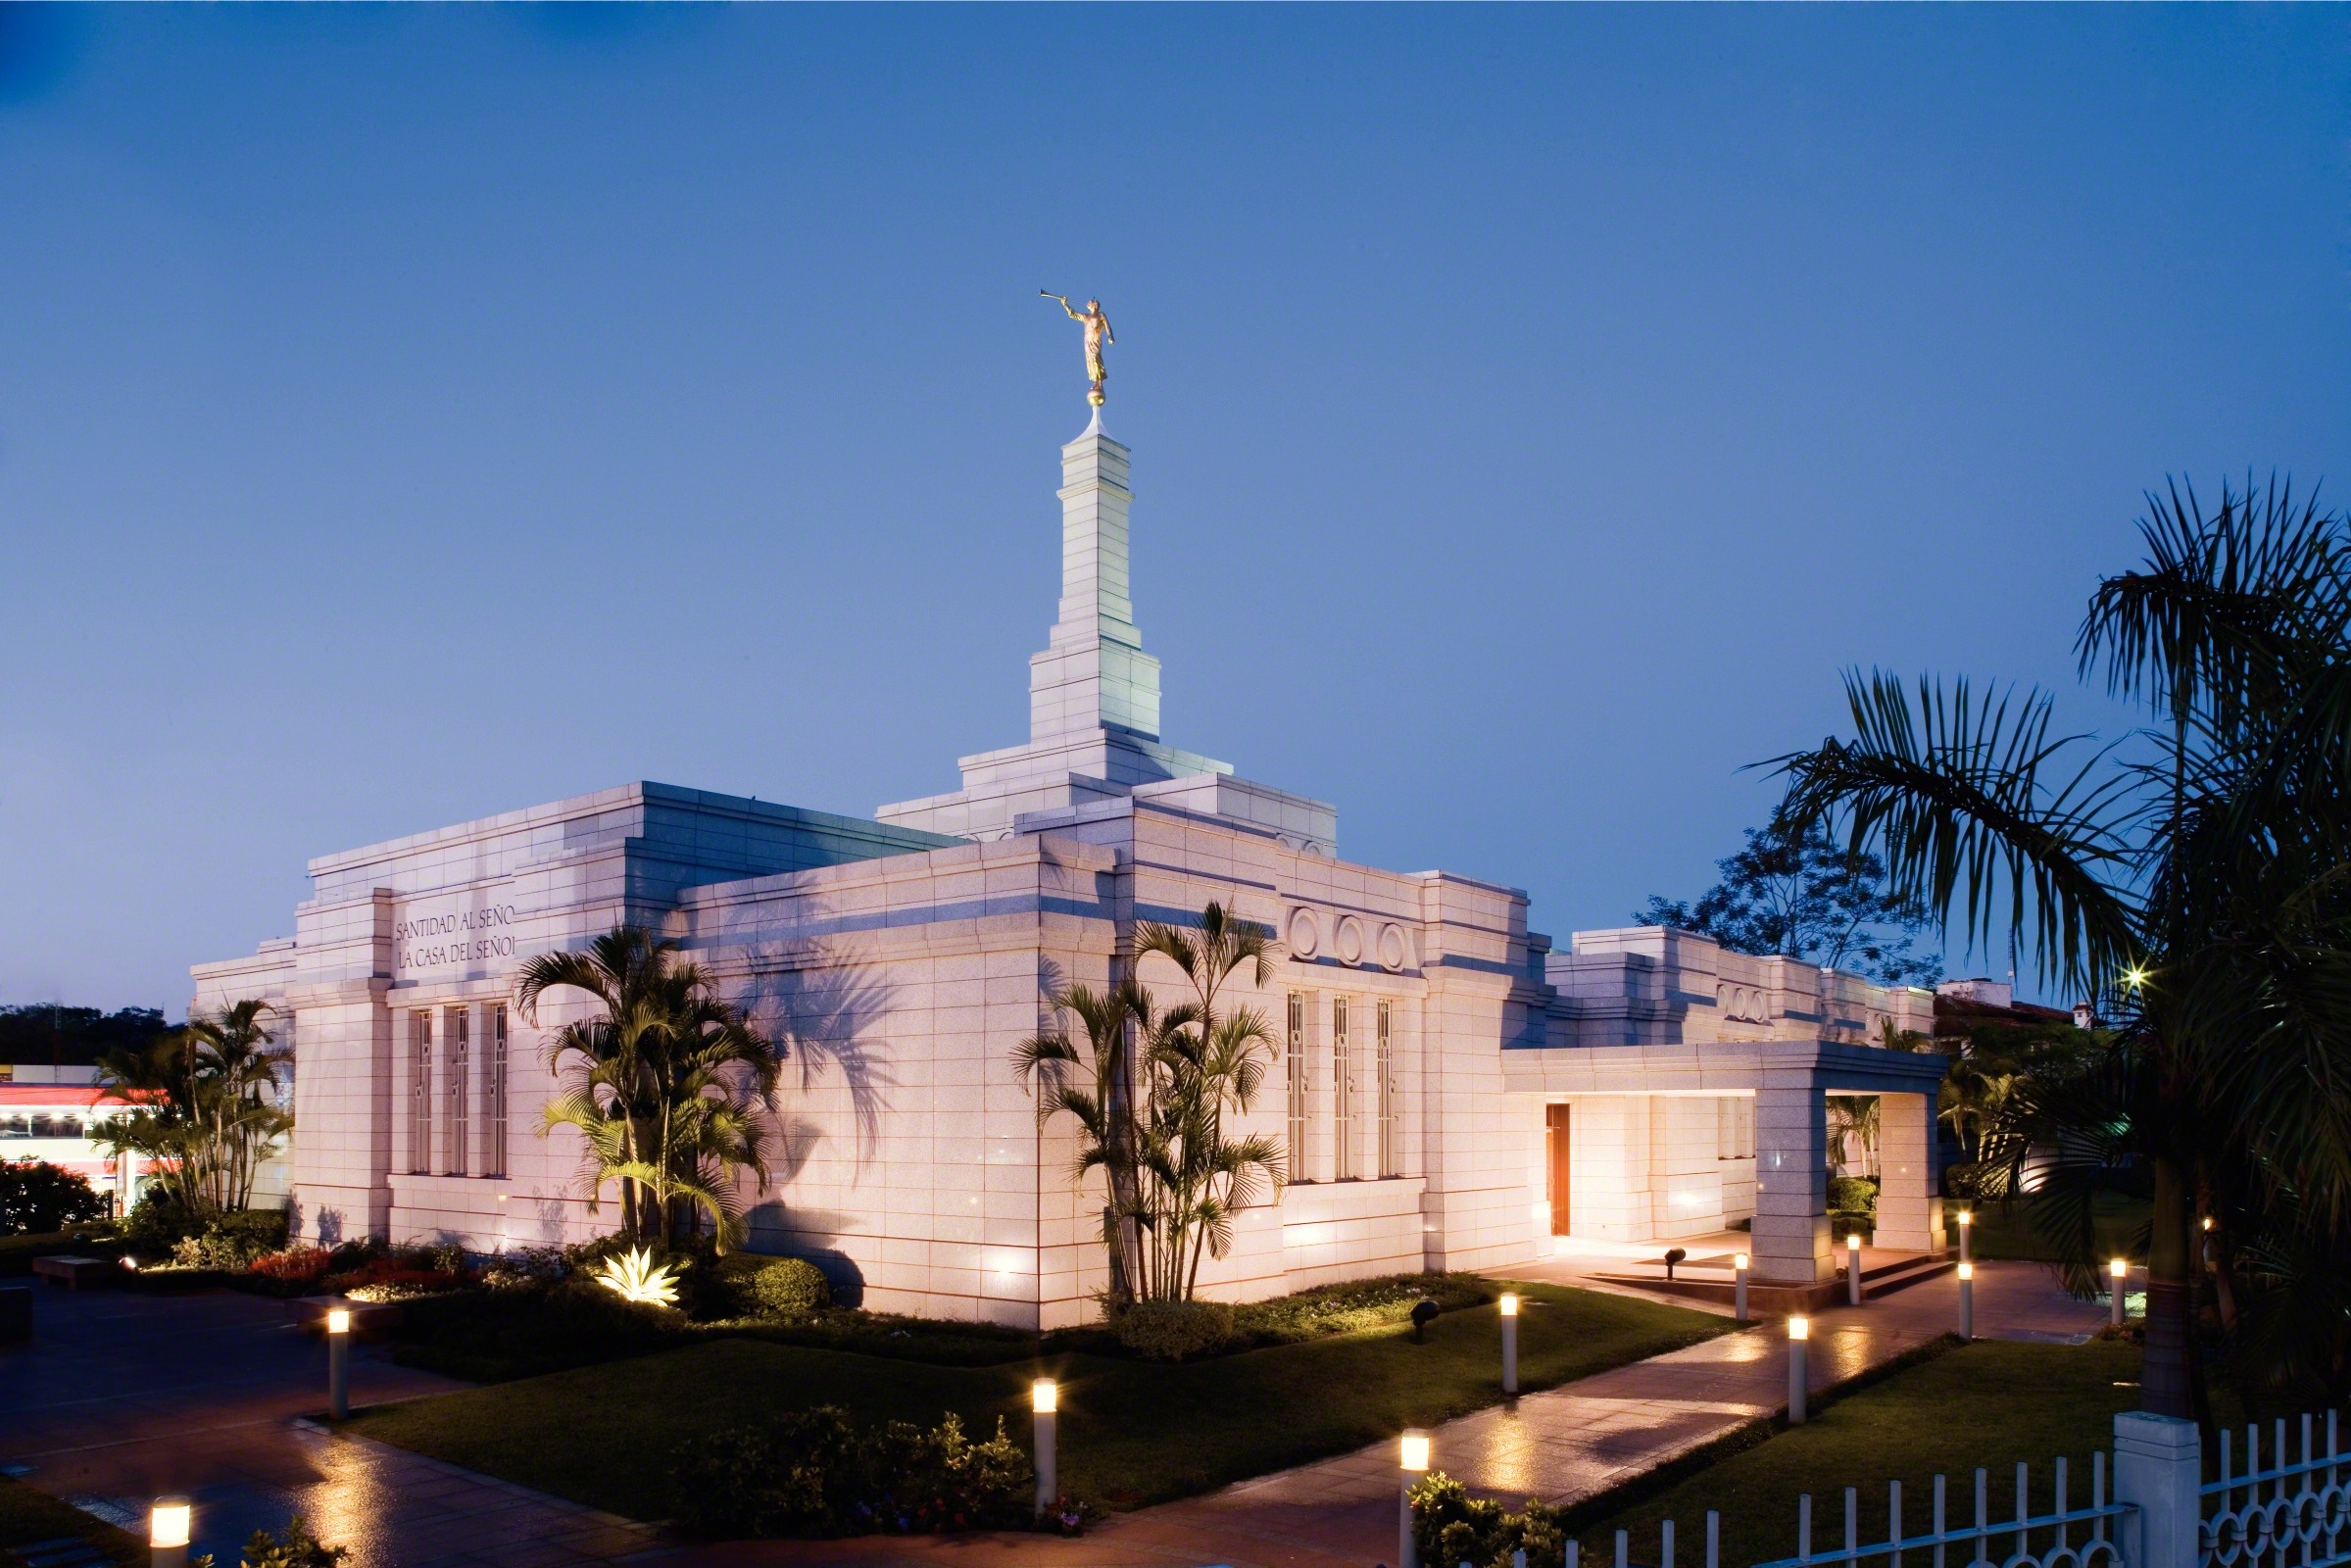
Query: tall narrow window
pixel 1294 1063
pixel 420 1092
pixel 1392 1097
pixel 1343 1096
pixel 493 1097
pixel 456 1036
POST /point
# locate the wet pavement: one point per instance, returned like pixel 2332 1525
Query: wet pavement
pixel 121 1398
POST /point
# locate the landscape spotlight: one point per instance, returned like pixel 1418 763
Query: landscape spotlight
pixel 168 1526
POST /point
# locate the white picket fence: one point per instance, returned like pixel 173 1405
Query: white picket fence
pixel 2160 1512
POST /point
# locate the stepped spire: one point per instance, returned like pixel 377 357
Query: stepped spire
pixel 1094 673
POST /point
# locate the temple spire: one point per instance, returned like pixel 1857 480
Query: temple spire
pixel 1094 673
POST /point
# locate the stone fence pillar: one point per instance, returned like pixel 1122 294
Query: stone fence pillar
pixel 1910 1216
pixel 2158 1467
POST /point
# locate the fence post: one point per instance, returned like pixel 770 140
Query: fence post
pixel 2159 1469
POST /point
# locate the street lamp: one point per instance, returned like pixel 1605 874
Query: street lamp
pixel 1799 1331
pixel 168 1525
pixel 1509 1341
pixel 1413 1456
pixel 1045 1409
pixel 338 1362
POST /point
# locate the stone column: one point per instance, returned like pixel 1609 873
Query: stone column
pixel 1909 1215
pixel 1791 1181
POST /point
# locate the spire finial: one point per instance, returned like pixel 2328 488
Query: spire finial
pixel 1097 333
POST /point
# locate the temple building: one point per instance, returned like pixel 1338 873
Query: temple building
pixel 1452 1090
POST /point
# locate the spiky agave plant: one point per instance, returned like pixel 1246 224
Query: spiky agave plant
pixel 633 1276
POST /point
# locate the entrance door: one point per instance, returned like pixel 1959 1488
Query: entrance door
pixel 1555 1120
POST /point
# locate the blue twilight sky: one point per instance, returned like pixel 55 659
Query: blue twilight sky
pixel 411 414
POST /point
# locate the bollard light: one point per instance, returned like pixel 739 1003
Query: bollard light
pixel 2119 1271
pixel 1799 1331
pixel 338 1362
pixel 1853 1270
pixel 1966 1300
pixel 1739 1287
pixel 1967 1224
pixel 1509 1341
pixel 169 1524
pixel 1412 1462
pixel 1045 1405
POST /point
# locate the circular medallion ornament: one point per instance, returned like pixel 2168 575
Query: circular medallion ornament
pixel 1350 940
pixel 1394 952
pixel 1306 934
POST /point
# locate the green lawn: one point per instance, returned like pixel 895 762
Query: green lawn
pixel 1989 1404
pixel 29 1514
pixel 2007 1232
pixel 1131 1431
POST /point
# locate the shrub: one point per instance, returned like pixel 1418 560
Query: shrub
pixel 296 1548
pixel 775 1287
pixel 1852 1195
pixel 233 1240
pixel 296 1265
pixel 1171 1331
pixel 812 1473
pixel 157 1224
pixel 524 1269
pixel 1453 1527
pixel 397 1277
pixel 1353 1305
pixel 36 1197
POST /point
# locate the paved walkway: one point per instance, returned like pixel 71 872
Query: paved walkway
pixel 122 1397
pixel 125 1396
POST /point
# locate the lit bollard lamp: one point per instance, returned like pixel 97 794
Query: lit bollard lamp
pixel 2118 1274
pixel 1853 1270
pixel 1511 1341
pixel 1966 1300
pixel 1413 1463
pixel 1739 1287
pixel 338 1363
pixel 1967 1228
pixel 1045 1408
pixel 168 1525
pixel 1799 1331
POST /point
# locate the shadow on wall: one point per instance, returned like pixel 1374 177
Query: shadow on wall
pixel 819 1017
pixel 778 1231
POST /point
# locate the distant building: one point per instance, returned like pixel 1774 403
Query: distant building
pixel 59 1124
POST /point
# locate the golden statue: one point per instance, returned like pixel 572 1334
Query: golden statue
pixel 1097 333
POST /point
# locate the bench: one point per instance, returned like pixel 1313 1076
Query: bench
pixel 76 1273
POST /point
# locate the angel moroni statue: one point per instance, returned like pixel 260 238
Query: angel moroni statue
pixel 1097 333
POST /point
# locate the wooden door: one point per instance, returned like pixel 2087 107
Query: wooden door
pixel 1556 1125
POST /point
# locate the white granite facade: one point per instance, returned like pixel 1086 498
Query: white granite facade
pixel 1436 1052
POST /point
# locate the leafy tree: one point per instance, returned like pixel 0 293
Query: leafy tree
pixel 203 1106
pixel 1150 1090
pixel 1795 892
pixel 61 1035
pixel 665 1081
pixel 39 1198
pixel 2193 872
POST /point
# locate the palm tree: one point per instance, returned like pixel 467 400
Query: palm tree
pixel 2197 875
pixel 664 1083
pixel 1151 1118
pixel 1853 1122
pixel 205 1109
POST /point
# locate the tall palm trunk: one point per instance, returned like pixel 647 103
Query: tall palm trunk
pixel 2167 1378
